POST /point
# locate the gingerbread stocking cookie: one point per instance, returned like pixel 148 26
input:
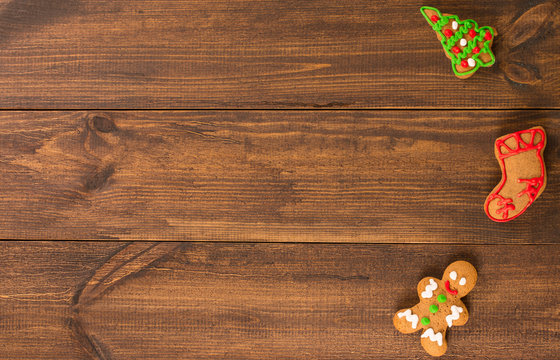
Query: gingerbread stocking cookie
pixel 465 44
pixel 523 174
pixel 440 307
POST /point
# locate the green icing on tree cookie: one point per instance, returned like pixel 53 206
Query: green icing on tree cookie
pixel 460 40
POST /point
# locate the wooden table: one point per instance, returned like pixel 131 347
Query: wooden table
pixel 218 179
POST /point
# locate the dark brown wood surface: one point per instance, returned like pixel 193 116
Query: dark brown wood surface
pixel 125 54
pixel 383 176
pixel 109 300
pixel 318 157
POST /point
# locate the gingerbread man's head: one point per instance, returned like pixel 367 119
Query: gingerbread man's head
pixel 440 306
pixel 459 278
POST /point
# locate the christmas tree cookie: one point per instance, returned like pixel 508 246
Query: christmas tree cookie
pixel 467 45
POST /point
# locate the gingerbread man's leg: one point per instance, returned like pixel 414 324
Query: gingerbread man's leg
pixel 433 339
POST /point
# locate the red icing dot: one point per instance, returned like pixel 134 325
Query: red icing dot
pixel 472 33
pixel 434 18
pixel 488 36
pixel 464 63
pixel 456 50
pixel 448 33
pixel 476 50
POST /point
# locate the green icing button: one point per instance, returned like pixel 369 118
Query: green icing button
pixel 425 321
pixel 434 308
pixel 442 298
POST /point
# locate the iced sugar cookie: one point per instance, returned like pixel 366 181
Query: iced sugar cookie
pixel 523 174
pixel 467 45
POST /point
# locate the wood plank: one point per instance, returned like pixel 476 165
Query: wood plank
pixel 265 301
pixel 124 54
pixel 39 281
pixel 375 176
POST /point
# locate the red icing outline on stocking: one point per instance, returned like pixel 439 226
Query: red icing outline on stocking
pixel 522 146
pixel 507 205
pixel 533 185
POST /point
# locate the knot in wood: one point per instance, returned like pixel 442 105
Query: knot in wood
pixel 102 124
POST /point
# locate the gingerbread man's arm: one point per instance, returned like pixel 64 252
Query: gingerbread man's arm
pixel 427 286
pixel 407 320
pixel 458 315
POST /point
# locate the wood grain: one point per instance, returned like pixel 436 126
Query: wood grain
pixel 39 281
pixel 305 230
pixel 145 54
pixel 375 176
pixel 267 301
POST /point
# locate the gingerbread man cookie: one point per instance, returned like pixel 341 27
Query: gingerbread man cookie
pixel 440 307
pixel 467 45
pixel 523 174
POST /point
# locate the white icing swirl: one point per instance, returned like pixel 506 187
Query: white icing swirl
pixel 434 337
pixel 413 319
pixel 454 25
pixel 471 64
pixel 429 290
pixel 455 311
pixel 463 42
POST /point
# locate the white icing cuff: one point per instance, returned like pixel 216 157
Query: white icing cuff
pixel 433 337
pixel 413 319
pixel 455 311
pixel 429 291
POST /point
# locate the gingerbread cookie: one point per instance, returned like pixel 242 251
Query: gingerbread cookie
pixel 440 307
pixel 523 174
pixel 466 45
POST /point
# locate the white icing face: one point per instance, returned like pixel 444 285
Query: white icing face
pixel 459 278
pixel 472 63
pixel 454 25
pixel 463 42
pixel 453 275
